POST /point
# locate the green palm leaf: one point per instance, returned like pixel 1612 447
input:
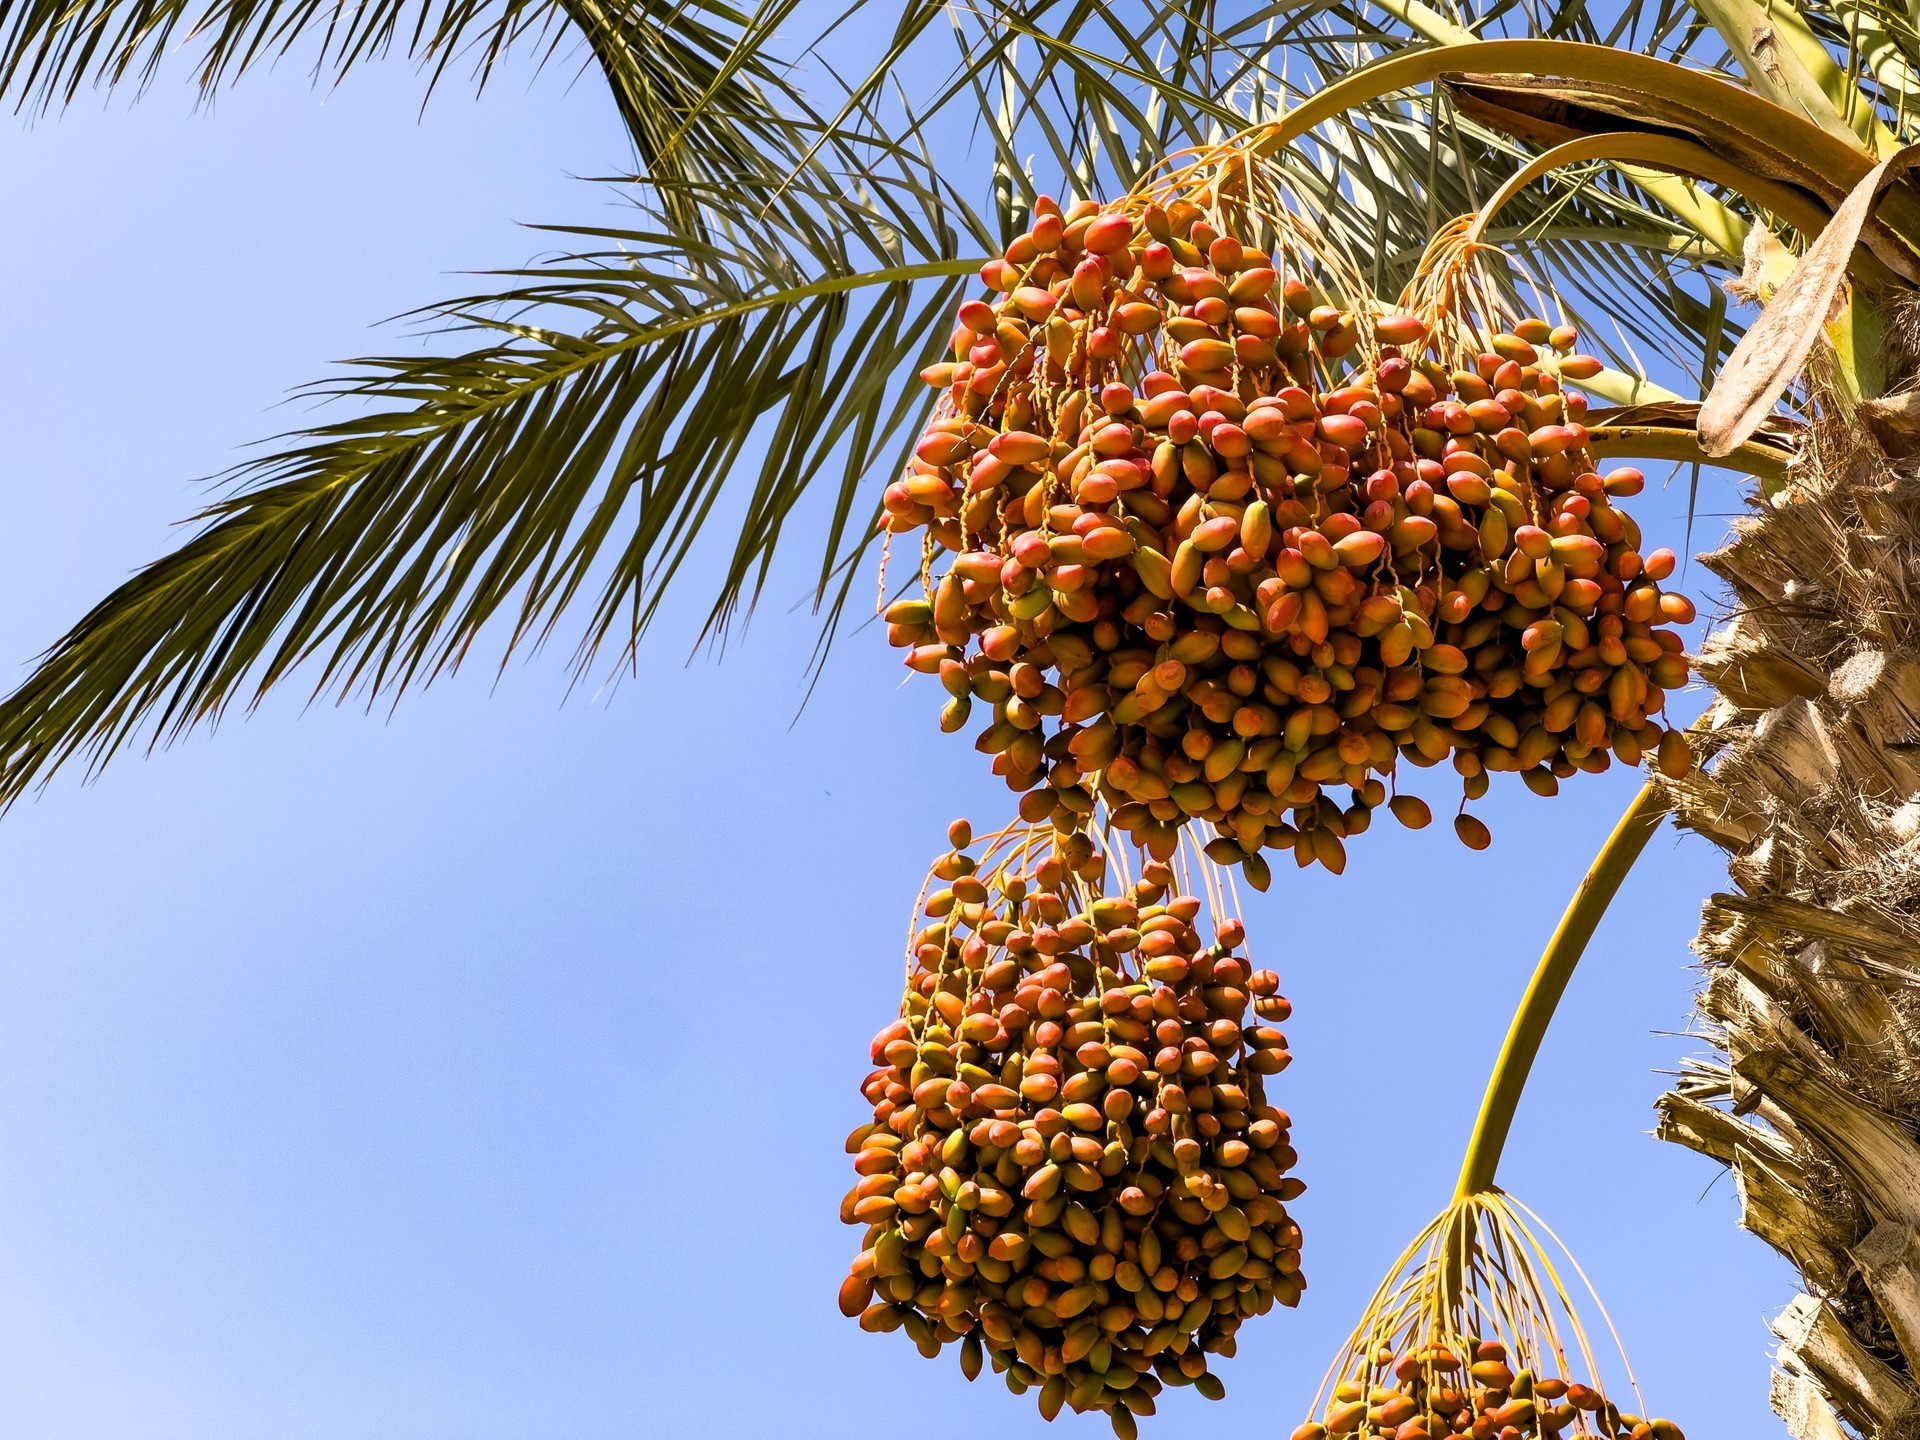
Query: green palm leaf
pixel 764 328
pixel 571 456
pixel 696 102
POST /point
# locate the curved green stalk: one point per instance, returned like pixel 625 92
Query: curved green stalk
pixel 1672 156
pixel 1679 443
pixel 1742 109
pixel 1549 982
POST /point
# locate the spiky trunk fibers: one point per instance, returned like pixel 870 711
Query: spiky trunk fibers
pixel 1813 958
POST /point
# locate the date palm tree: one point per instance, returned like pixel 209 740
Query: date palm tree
pixel 790 265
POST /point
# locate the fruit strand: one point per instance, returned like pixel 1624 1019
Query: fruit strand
pixel 1468 1337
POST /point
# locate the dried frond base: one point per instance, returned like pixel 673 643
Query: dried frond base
pixel 1814 791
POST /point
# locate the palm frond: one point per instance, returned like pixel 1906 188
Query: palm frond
pixel 616 402
pixel 1386 174
pixel 697 100
pixel 702 106
pixel 763 328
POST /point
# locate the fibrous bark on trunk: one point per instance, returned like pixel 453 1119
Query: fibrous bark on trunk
pixel 1813 997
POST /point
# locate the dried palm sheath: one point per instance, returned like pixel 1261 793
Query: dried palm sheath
pixel 1813 960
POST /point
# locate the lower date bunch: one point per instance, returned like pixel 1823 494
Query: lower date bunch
pixel 1073 1171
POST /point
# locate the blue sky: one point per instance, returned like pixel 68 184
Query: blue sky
pixel 481 1071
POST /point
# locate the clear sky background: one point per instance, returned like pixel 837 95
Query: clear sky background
pixel 481 1071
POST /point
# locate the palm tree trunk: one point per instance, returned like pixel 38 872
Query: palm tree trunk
pixel 1813 959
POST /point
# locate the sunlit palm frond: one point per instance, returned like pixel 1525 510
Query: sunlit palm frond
pixel 1080 98
pixel 766 328
pixel 618 399
pixel 1103 92
pixel 696 101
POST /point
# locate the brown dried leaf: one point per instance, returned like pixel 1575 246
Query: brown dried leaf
pixel 1894 420
pixel 1775 349
pixel 1549 111
pixel 1796 170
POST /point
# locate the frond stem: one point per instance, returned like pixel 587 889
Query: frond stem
pixel 1681 444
